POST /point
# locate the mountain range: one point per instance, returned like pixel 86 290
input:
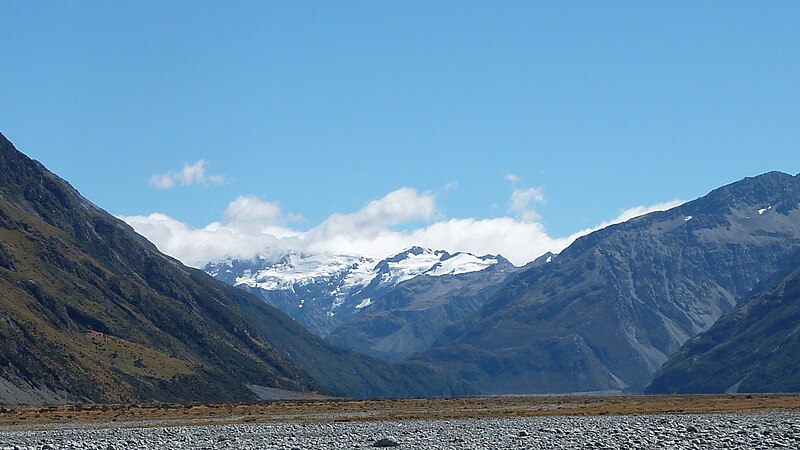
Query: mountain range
pixel 92 311
pixel 412 315
pixel 368 304
pixel 614 306
pixel 603 315
pixel 704 297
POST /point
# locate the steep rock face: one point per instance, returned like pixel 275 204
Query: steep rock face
pixel 91 311
pixel 323 292
pixel 756 348
pixel 411 316
pixel 610 309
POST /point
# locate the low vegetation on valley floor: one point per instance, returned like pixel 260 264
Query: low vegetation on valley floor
pixel 335 410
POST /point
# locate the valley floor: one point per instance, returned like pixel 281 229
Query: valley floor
pixel 750 430
pixel 28 418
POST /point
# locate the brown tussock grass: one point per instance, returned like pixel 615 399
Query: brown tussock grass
pixel 335 410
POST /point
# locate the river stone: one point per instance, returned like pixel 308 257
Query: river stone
pixel 386 442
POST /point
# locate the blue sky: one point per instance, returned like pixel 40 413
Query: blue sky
pixel 319 108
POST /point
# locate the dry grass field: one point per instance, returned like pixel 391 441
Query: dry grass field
pixel 331 410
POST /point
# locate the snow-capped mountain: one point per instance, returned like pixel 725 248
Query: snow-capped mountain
pixel 324 291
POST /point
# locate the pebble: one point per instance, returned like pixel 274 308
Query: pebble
pixel 685 431
pixel 386 442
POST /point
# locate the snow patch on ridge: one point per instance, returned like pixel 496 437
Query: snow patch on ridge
pixel 346 281
pixel 294 270
pixel 460 263
pixel 417 261
pixel 407 268
pixel 364 303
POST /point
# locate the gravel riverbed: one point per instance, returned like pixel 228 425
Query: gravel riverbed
pixel 751 431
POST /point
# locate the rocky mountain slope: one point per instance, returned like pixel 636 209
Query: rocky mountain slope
pixel 323 292
pixel 312 289
pixel 411 316
pixel 91 311
pixel 610 309
pixel 756 348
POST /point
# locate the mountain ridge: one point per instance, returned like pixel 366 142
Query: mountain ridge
pixel 69 290
pixel 755 348
pixel 607 312
pixel 92 311
pixel 410 317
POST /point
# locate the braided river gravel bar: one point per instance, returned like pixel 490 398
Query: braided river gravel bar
pixel 679 431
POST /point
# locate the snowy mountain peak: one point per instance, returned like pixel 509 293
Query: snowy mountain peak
pixel 417 261
pixel 295 270
pixel 338 286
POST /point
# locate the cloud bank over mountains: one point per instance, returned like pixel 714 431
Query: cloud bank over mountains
pixel 405 217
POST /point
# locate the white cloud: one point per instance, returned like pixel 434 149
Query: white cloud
pixel 164 181
pixel 521 200
pixel 518 241
pixel 252 226
pixel 399 207
pixel 195 247
pixel 189 175
pixel 626 215
pixel 250 212
pixel 451 185
pixel 637 211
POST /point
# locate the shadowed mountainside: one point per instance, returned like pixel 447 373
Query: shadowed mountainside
pixel 756 348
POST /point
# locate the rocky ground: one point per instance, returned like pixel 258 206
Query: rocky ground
pixel 690 431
